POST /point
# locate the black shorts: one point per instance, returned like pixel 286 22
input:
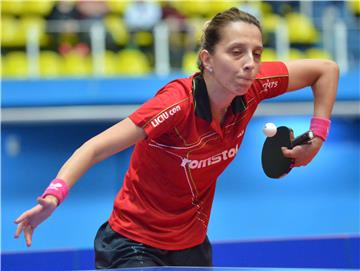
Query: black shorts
pixel 113 250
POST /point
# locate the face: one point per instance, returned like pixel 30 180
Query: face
pixel 236 58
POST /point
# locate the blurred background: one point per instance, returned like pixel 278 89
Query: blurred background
pixel 51 39
pixel 71 69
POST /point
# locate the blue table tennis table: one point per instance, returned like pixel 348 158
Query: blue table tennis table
pixel 183 268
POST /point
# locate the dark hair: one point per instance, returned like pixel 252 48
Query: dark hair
pixel 211 35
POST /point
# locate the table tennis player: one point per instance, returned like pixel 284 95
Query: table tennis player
pixel 185 136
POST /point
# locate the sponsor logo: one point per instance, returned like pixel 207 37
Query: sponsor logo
pixel 164 116
pixel 55 186
pixel 193 164
pixel 269 85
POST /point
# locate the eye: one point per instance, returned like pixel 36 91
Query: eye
pixel 236 52
pixel 257 55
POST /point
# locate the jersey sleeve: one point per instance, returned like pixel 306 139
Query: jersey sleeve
pixel 162 112
pixel 271 81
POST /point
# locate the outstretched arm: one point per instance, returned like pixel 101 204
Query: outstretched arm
pixel 323 77
pixel 113 140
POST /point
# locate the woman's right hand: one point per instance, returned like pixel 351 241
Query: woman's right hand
pixel 30 219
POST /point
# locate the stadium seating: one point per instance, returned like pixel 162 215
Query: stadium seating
pixel 295 54
pixel 9 30
pixel 15 7
pixel 268 54
pixel 270 22
pixel 15 65
pixel 33 23
pixel 40 8
pixel 189 62
pixel 117 7
pixel 117 28
pixel 132 62
pixel 20 17
pixel 110 64
pixel 143 39
pixel 354 6
pixel 317 53
pixel 76 65
pixel 301 30
pixel 50 64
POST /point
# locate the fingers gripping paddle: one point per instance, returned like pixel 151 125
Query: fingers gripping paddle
pixel 274 163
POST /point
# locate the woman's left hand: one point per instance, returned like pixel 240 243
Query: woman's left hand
pixel 303 154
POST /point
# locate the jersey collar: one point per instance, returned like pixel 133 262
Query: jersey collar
pixel 202 103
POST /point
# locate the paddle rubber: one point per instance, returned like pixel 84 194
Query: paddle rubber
pixel 274 163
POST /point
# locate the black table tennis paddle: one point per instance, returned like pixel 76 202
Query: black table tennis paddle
pixel 274 163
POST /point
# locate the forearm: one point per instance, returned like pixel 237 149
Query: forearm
pixel 76 166
pixel 113 140
pixel 325 89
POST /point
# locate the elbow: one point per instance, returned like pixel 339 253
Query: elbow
pixel 88 150
pixel 327 71
pixel 332 67
pixel 95 150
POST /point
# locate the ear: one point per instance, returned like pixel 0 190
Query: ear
pixel 206 60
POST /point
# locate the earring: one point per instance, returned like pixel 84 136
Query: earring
pixel 210 69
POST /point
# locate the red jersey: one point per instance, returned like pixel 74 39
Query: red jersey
pixel 168 190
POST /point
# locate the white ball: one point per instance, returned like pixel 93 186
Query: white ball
pixel 270 129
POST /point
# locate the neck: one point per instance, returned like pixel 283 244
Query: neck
pixel 219 98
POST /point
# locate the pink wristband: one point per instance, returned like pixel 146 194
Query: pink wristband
pixel 57 188
pixel 320 127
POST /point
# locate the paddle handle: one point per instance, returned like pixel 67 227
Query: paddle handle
pixel 303 139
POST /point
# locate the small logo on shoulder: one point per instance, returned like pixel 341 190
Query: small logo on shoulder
pixel 164 116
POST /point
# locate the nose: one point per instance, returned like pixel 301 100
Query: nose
pixel 249 64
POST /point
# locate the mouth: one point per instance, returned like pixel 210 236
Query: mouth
pixel 245 80
pixel 248 79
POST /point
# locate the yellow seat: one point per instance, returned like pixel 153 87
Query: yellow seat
pixel 50 64
pixel 295 54
pixel 76 65
pixel 216 6
pixel 9 30
pixel 31 23
pixel 110 64
pixel 268 54
pixel 143 38
pixel 189 63
pixel 117 7
pixel 317 53
pixel 15 65
pixel 42 8
pixel 117 28
pixel 266 8
pixel 301 30
pixel 270 22
pixel 132 62
pixel 193 8
pixel 14 7
pixel 354 6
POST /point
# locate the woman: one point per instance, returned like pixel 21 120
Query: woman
pixel 185 137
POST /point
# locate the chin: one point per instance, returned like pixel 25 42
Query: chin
pixel 241 90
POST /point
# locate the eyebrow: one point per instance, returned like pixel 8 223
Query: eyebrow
pixel 239 44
